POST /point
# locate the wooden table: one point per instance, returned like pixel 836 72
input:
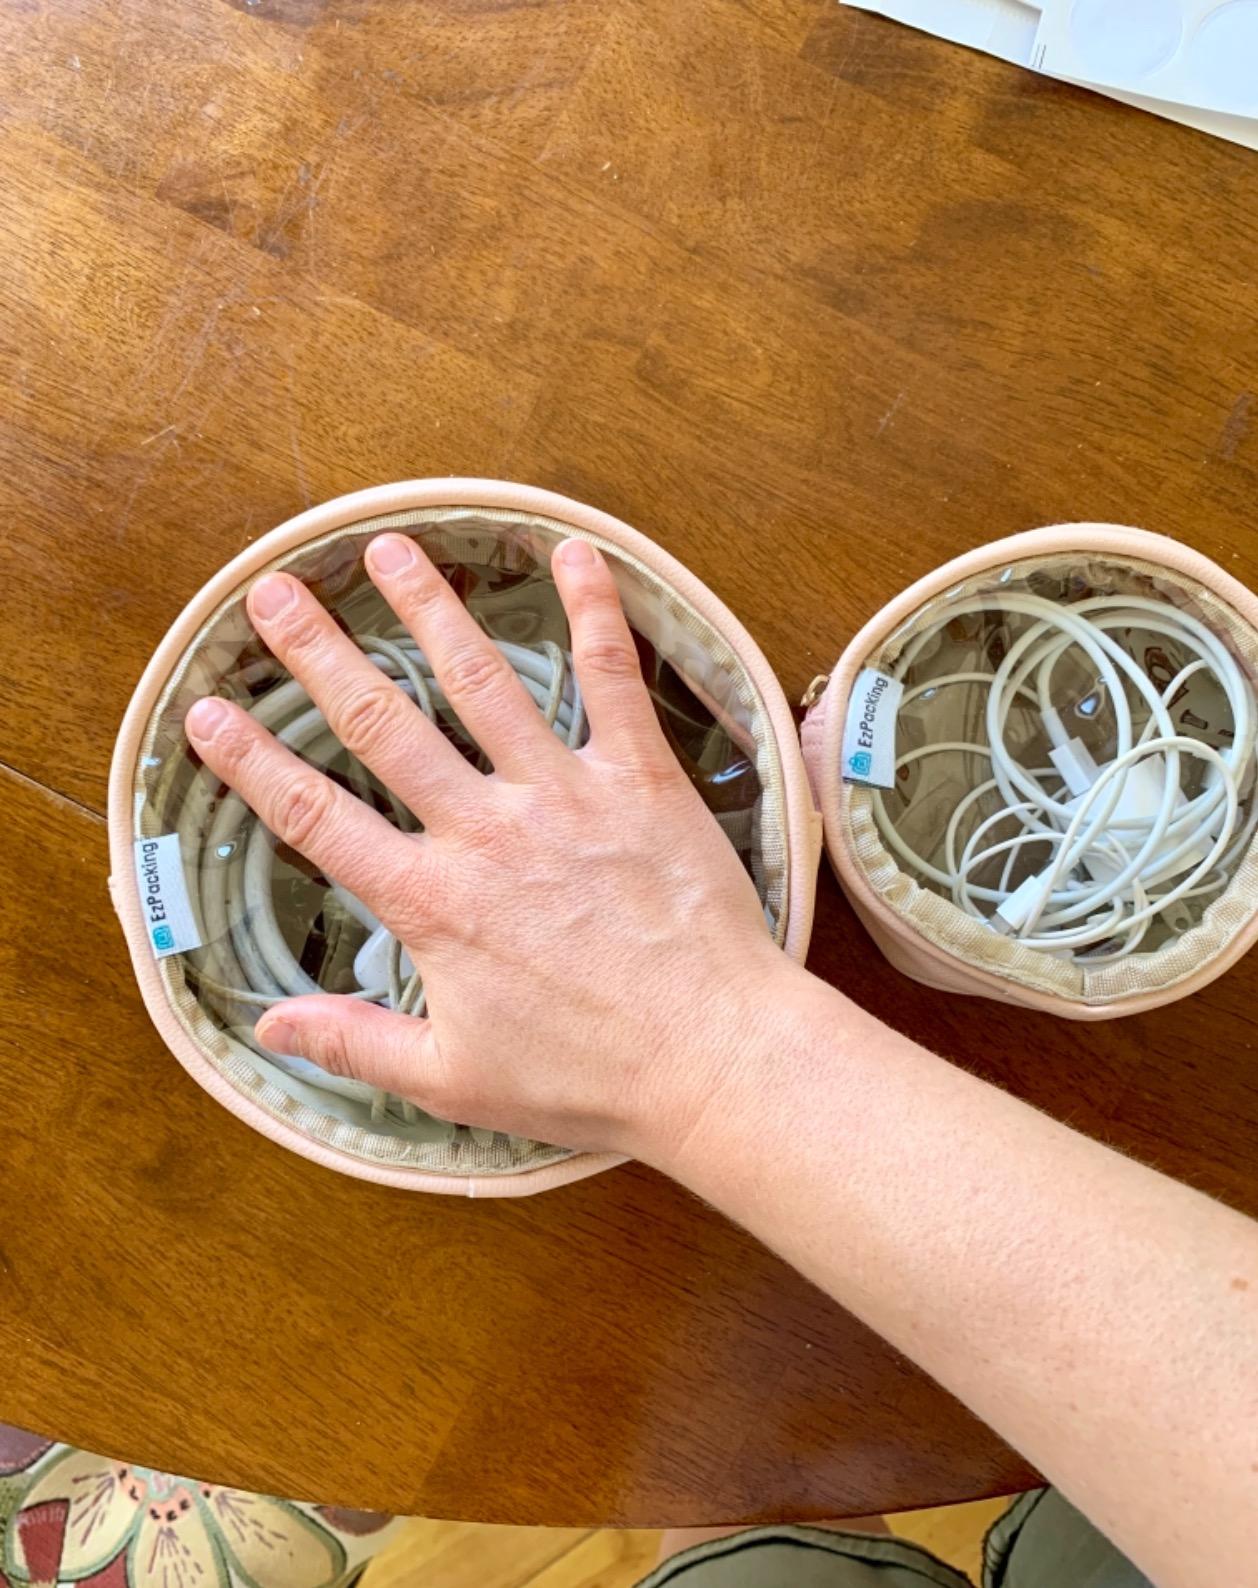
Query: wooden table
pixel 815 301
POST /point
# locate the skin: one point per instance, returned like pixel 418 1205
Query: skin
pixel 1102 1318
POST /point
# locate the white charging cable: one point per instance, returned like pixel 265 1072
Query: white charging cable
pixel 1125 844
pixel 249 963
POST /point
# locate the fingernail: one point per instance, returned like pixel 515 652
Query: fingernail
pixel 279 1036
pixel 206 717
pixel 271 595
pixel 576 553
pixel 390 554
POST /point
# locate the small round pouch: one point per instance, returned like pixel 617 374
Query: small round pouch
pixel 221 922
pixel 1068 649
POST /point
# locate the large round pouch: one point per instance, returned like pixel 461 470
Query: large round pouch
pixel 1035 768
pixel 221 921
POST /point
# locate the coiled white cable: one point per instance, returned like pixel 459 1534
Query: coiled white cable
pixel 1125 844
pixel 248 963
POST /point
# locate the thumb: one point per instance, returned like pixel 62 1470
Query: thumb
pixel 357 1040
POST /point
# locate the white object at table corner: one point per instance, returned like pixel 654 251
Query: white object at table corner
pixel 1009 29
pixel 1200 53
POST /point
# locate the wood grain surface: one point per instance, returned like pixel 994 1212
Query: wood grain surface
pixel 813 300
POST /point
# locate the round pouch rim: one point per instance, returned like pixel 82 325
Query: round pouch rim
pixel 821 738
pixel 801 819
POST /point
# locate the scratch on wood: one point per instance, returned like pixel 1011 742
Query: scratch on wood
pixel 300 196
pixel 303 485
pixel 855 38
pixel 1235 426
pixel 294 432
pixel 890 413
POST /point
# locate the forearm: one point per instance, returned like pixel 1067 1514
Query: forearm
pixel 1102 1318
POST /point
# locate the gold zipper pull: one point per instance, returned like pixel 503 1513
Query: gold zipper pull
pixel 815 691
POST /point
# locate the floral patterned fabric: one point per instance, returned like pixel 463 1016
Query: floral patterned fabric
pixel 70 1517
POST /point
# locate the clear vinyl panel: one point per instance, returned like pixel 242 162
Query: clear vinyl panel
pixel 1074 754
pixel 273 925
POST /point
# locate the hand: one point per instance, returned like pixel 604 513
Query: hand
pixel 592 949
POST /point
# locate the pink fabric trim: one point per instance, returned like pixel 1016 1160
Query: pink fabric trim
pixel 811 739
pixel 822 738
pixel 375 502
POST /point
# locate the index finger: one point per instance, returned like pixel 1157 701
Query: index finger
pixel 345 839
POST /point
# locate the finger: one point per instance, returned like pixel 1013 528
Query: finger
pixel 368 713
pixel 490 701
pixel 302 807
pixel 361 1042
pixel 623 724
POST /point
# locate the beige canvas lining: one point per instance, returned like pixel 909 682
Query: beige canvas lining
pixel 971 941
pixel 727 687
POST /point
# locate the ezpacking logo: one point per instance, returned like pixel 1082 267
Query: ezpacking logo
pixel 861 760
pixel 169 918
pixel 151 894
pixel 869 731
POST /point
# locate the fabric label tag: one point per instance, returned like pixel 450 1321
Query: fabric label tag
pixel 869 730
pixel 168 917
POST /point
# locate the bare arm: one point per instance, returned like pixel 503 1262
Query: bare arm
pixel 1101 1317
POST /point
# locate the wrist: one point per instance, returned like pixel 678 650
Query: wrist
pixel 748 1070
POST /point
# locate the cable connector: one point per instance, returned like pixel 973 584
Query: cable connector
pixel 371 963
pixel 1074 761
pixel 1013 913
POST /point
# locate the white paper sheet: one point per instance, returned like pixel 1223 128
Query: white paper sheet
pixel 1008 29
pixel 1202 53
